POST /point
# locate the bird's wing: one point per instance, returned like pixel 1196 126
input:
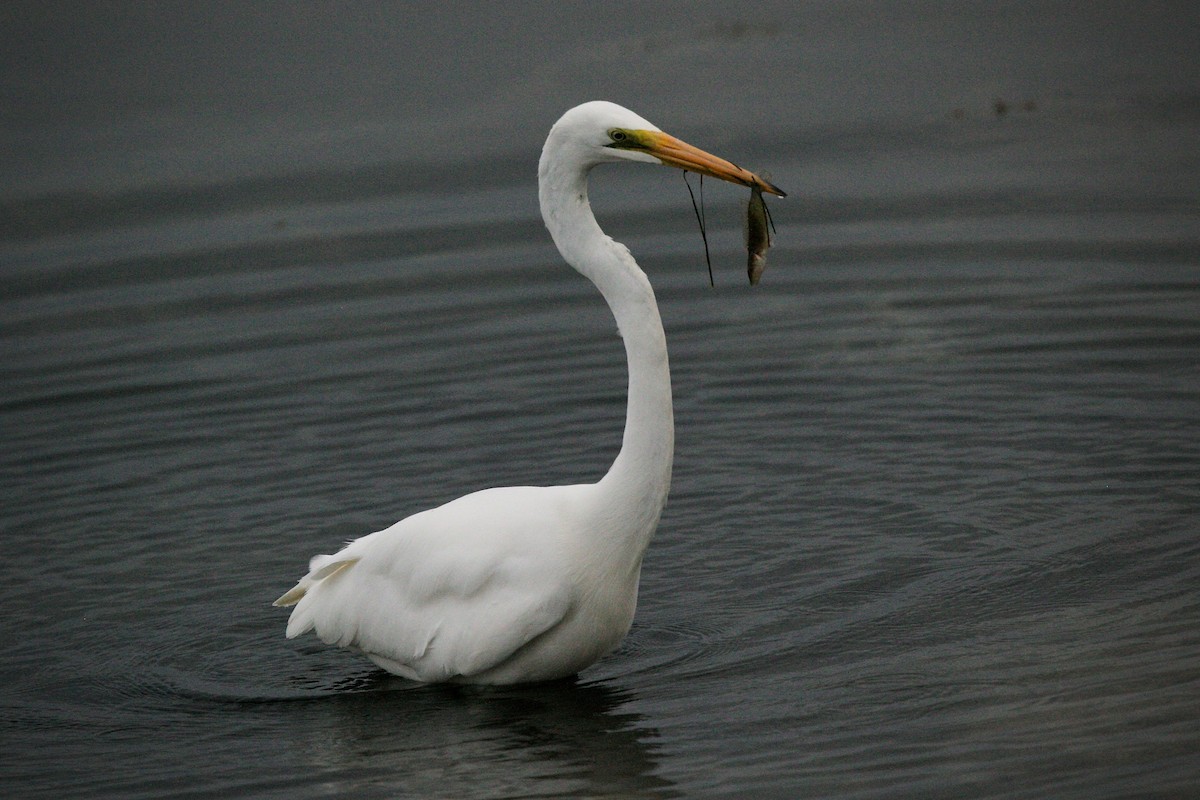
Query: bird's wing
pixel 431 597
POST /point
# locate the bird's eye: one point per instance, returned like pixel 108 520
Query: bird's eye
pixel 618 135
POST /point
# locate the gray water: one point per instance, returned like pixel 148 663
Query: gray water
pixel 269 281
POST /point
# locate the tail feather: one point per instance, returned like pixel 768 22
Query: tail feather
pixel 321 568
pixel 291 596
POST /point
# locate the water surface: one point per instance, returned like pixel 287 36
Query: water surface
pixel 933 529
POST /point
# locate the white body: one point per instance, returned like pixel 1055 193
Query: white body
pixel 522 583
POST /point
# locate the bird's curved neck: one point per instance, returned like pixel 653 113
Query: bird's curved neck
pixel 638 481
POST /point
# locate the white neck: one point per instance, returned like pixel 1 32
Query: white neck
pixel 635 487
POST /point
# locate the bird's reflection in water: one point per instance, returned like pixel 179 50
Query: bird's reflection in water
pixel 384 735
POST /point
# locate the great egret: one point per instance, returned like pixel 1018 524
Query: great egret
pixel 529 583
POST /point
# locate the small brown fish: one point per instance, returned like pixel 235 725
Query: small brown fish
pixel 759 227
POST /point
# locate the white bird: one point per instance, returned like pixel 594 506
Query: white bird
pixel 529 583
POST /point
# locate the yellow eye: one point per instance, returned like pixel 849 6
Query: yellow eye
pixel 619 136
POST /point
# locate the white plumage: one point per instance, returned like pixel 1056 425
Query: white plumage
pixel 529 583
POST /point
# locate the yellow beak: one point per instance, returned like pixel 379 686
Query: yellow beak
pixel 676 153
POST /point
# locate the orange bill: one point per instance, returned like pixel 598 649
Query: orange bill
pixel 677 153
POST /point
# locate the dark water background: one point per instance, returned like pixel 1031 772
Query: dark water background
pixel 273 276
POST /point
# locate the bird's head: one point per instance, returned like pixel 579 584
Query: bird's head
pixel 606 132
